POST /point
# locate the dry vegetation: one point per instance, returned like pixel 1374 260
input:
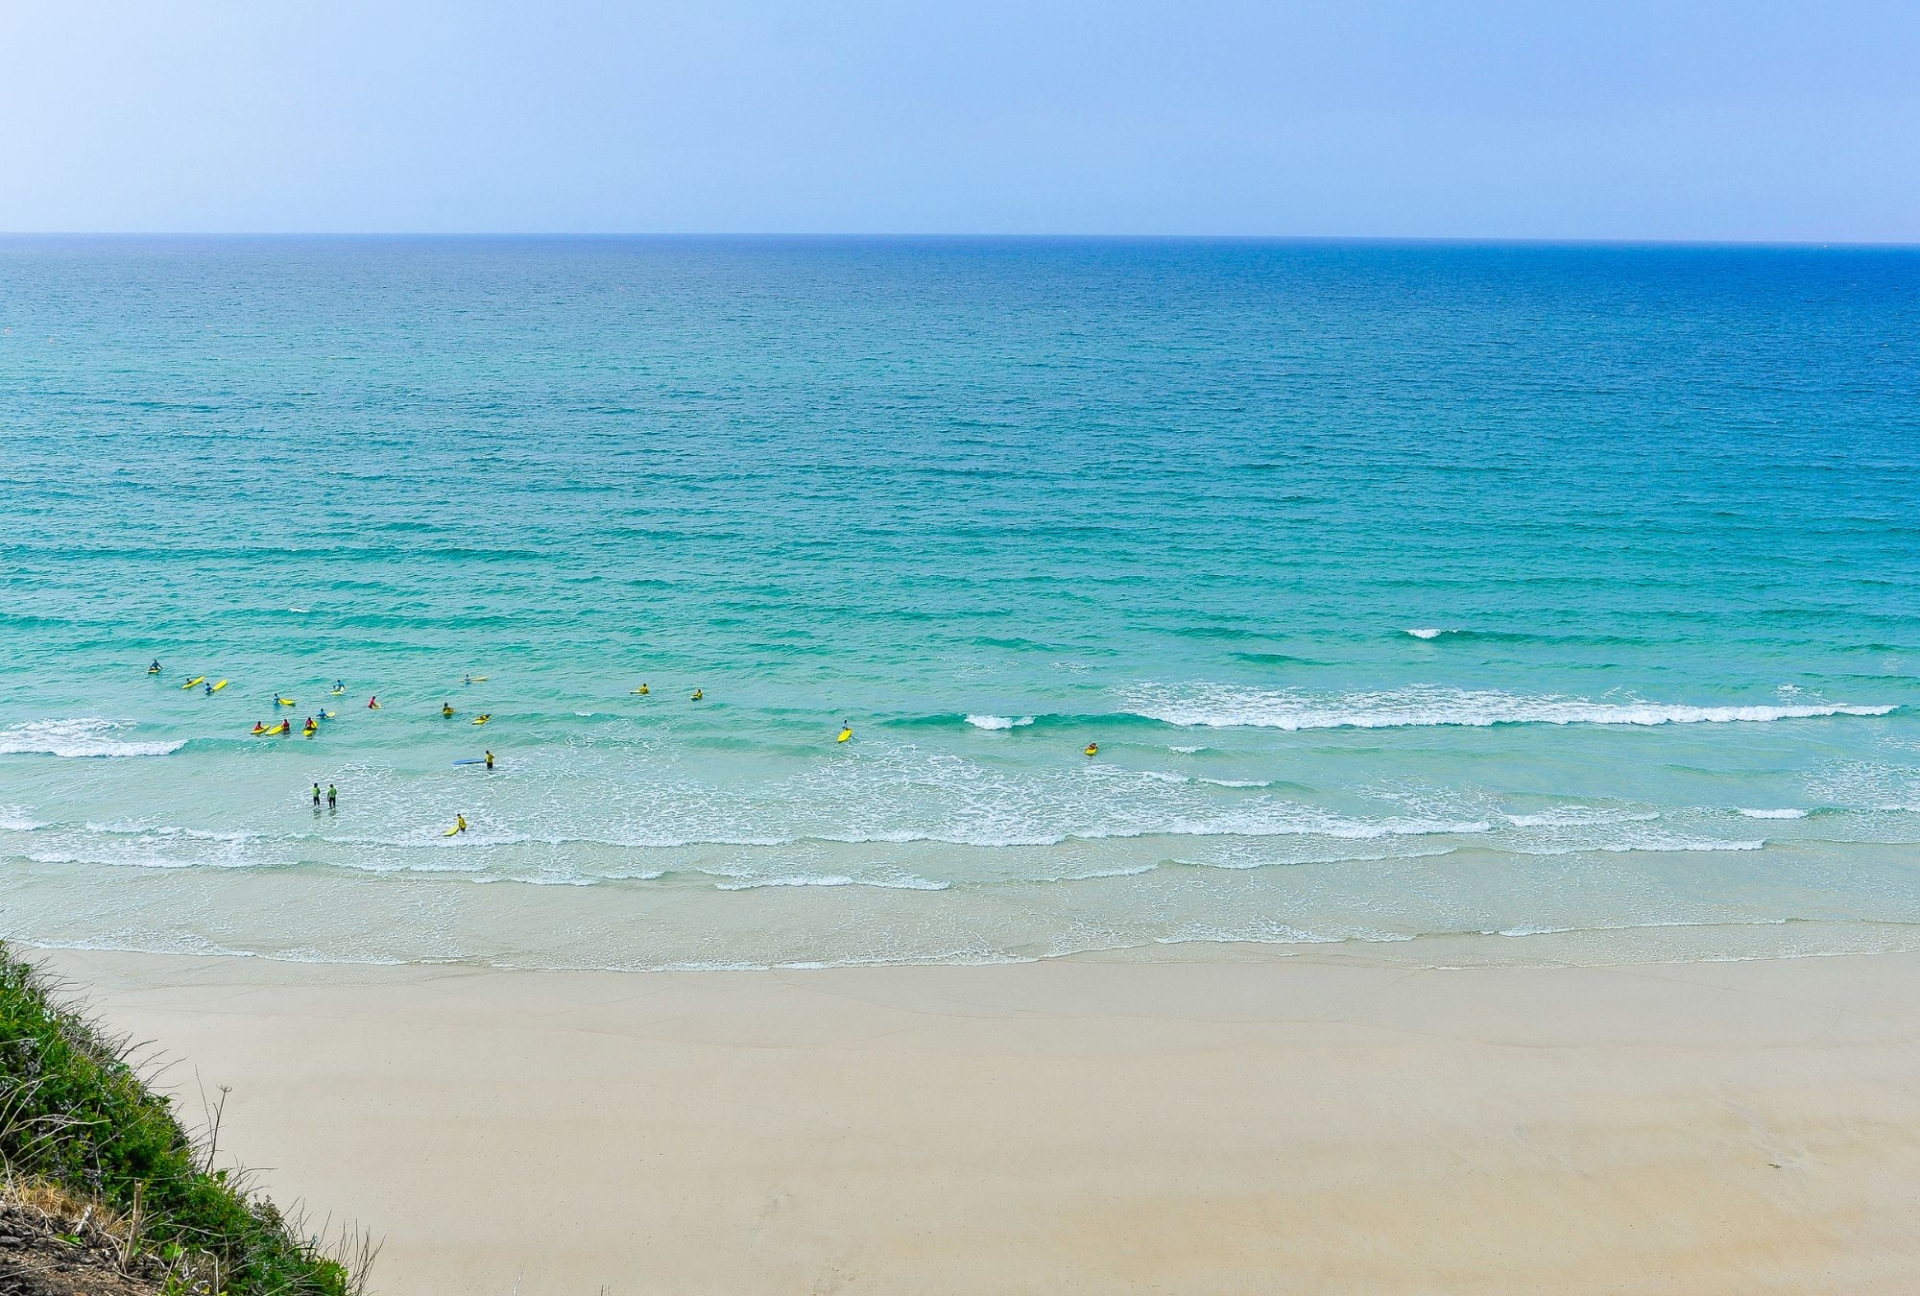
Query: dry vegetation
pixel 105 1191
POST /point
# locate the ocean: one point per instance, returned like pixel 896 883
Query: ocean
pixel 1405 591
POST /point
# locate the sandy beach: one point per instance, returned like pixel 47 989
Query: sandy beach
pixel 1222 1121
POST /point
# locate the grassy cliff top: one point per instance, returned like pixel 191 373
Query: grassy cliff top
pixel 87 1146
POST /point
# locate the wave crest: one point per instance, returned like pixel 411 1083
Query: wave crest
pixel 1221 706
pixel 88 736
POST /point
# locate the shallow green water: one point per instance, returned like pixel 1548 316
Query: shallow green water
pixel 1405 590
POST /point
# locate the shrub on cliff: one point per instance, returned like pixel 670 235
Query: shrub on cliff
pixel 76 1118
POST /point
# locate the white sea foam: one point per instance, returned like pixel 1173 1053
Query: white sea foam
pixel 1255 860
pixel 12 819
pixel 1580 817
pixel 1125 870
pixel 1774 814
pixel 1683 844
pixel 1651 924
pixel 1186 751
pixel 84 737
pixel 1221 706
pixel 832 880
pixel 123 861
pixel 141 829
pixel 1426 632
pixel 998 722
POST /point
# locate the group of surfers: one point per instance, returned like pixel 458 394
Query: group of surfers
pixel 447 712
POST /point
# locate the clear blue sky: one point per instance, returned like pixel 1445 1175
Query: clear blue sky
pixel 1678 120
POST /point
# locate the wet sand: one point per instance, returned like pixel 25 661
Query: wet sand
pixel 1222 1121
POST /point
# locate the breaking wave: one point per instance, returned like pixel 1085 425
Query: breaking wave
pixel 85 737
pixel 1222 706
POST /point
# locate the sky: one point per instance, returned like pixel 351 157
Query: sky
pixel 1364 118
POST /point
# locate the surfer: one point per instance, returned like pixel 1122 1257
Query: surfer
pixel 846 732
pixel 155 668
pixel 459 823
pixel 698 694
pixel 258 727
pixel 333 798
pixel 316 796
pixel 1093 749
pixel 373 704
pixel 489 760
pixel 209 692
pixel 446 710
pixel 642 690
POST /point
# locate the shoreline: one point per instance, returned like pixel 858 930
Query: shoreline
pixel 1235 1122
pixel 1628 945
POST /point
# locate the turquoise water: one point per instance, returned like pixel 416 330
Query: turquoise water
pixel 1405 590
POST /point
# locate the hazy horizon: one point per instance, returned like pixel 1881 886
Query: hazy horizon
pixel 956 236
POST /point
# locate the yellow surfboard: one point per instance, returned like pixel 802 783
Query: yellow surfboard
pixel 197 679
pixel 845 734
pixel 483 719
pixel 283 701
pixel 217 687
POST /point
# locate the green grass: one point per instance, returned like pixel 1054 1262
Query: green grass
pixel 75 1115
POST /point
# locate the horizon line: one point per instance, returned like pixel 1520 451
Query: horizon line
pixel 950 236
